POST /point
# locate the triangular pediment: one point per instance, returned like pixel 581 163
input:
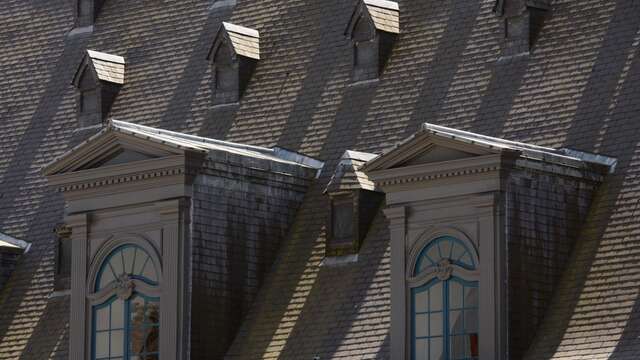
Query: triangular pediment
pixel 426 148
pixel 106 149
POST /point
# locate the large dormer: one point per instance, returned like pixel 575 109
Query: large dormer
pixel 484 227
pixel 178 225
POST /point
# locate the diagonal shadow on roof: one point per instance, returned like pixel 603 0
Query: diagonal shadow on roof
pixel 442 68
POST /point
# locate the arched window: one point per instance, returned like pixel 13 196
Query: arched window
pixel 444 301
pixel 126 306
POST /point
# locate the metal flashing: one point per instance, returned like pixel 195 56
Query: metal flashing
pixel 7 241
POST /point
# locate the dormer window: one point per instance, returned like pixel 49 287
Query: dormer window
pixel 98 80
pixel 372 30
pixel 233 57
pixel 87 11
pixel 354 202
pixel 522 23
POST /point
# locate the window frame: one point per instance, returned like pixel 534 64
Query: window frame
pixel 443 275
pixel 415 280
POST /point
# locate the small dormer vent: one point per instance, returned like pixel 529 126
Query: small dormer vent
pixel 98 80
pixel 87 11
pixel 233 56
pixel 353 201
pixel 522 23
pixel 372 29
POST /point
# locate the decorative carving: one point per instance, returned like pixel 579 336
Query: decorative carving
pixel 63 231
pixel 124 286
pixel 443 269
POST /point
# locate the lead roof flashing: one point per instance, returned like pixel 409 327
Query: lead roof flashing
pixel 499 5
pixel 385 16
pixel 243 41
pixel 7 241
pixel 105 67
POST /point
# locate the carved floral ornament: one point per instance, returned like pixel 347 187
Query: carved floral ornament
pixel 124 286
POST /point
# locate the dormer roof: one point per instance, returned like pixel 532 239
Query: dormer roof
pixel 385 15
pixel 105 67
pixel 434 143
pixel 347 176
pixel 242 40
pixel 502 6
pixel 117 135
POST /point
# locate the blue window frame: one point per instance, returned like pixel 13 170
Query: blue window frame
pixel 127 324
pixel 444 308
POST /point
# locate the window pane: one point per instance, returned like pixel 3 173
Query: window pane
pixel 422 349
pixel 471 321
pixel 457 251
pixel 342 222
pixel 117 343
pixel 455 322
pixel 102 344
pixel 434 254
pixel 445 248
pixel 421 325
pixel 455 295
pixel 116 264
pixel 153 313
pixel 106 277
pixel 141 262
pixel 470 297
pixel 436 349
pixel 117 314
pixel 435 324
pixel 459 348
pixel 102 318
pixel 435 297
pixel 421 300
pixel 149 272
pixel 128 255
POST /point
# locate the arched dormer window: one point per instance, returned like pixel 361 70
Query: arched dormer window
pixel 126 306
pixel 444 301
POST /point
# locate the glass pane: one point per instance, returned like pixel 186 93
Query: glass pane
pixel 116 264
pixel 436 349
pixel 117 344
pixel 470 297
pixel 455 295
pixel 457 251
pixel 149 272
pixel 117 314
pixel 445 248
pixel 471 321
pixel 421 300
pixel 435 324
pixel 141 261
pixel 421 325
pixel 435 297
pixel 128 254
pixel 421 349
pixel 102 344
pixel 455 322
pixel 106 277
pixel 466 260
pixel 459 347
pixel 102 318
pixel 434 254
pixel 153 313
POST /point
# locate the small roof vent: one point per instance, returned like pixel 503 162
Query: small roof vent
pixel 233 55
pixel 98 80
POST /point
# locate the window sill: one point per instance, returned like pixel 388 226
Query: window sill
pixel 334 261
pixel 363 83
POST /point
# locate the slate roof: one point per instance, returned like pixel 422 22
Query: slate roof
pixel 577 89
